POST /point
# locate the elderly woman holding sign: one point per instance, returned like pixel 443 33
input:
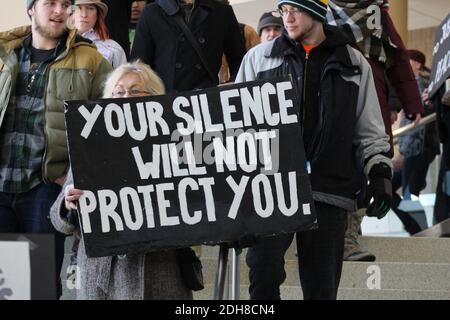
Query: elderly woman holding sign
pixel 155 275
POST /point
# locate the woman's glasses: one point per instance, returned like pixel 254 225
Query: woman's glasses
pixel 121 92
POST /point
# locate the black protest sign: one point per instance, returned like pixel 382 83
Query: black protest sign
pixel 200 167
pixel 440 70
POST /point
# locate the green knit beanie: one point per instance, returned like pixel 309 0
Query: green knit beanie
pixel 29 3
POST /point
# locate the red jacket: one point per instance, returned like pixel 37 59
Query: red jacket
pixel 400 76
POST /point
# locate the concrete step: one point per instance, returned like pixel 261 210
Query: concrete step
pixel 408 280
pixel 439 230
pixel 408 249
pixel 404 276
pixel 365 294
pixel 295 293
pixel 386 249
pixel 397 276
pixel 412 268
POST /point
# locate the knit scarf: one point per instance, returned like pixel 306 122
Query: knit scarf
pixel 353 17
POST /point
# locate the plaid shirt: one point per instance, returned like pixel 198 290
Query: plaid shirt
pixel 22 137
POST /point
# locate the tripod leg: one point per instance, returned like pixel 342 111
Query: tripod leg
pixel 235 276
pixel 221 273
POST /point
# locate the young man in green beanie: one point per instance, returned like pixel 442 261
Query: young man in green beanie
pixel 342 129
pixel 40 66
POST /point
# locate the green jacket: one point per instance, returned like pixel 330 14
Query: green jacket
pixel 77 74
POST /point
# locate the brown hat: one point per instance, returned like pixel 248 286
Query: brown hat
pixel 98 3
pixel 416 55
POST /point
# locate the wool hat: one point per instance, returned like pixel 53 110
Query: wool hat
pixel 315 8
pixel 418 56
pixel 98 3
pixel 268 20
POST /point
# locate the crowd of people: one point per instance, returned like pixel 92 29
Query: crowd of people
pixel 351 81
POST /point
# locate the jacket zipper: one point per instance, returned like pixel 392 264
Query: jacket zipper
pixel 304 90
pixel 317 146
pixel 317 139
pixel 45 131
pixel 308 161
pixel 62 56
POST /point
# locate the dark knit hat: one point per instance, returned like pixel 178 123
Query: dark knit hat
pixel 418 56
pixel 315 8
pixel 268 20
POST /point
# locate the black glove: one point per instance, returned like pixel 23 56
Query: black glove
pixel 411 117
pixel 380 189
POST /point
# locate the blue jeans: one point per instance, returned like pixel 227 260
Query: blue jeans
pixel 29 212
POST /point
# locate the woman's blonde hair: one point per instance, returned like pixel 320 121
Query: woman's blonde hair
pixel 151 80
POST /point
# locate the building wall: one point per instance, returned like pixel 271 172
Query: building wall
pixel 398 10
pixel 423 40
pixel 13 14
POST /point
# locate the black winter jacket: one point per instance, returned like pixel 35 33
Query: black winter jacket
pixel 161 43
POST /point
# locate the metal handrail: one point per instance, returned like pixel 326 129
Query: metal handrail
pixel 406 129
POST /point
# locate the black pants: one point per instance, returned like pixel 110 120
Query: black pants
pixel 320 255
pixel 442 202
pixel 410 224
pixel 415 171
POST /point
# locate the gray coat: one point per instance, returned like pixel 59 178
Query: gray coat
pixel 348 128
pixel 153 275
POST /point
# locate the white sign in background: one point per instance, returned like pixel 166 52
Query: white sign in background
pixel 15 270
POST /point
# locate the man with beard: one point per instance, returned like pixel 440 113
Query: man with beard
pixel 342 124
pixel 40 66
